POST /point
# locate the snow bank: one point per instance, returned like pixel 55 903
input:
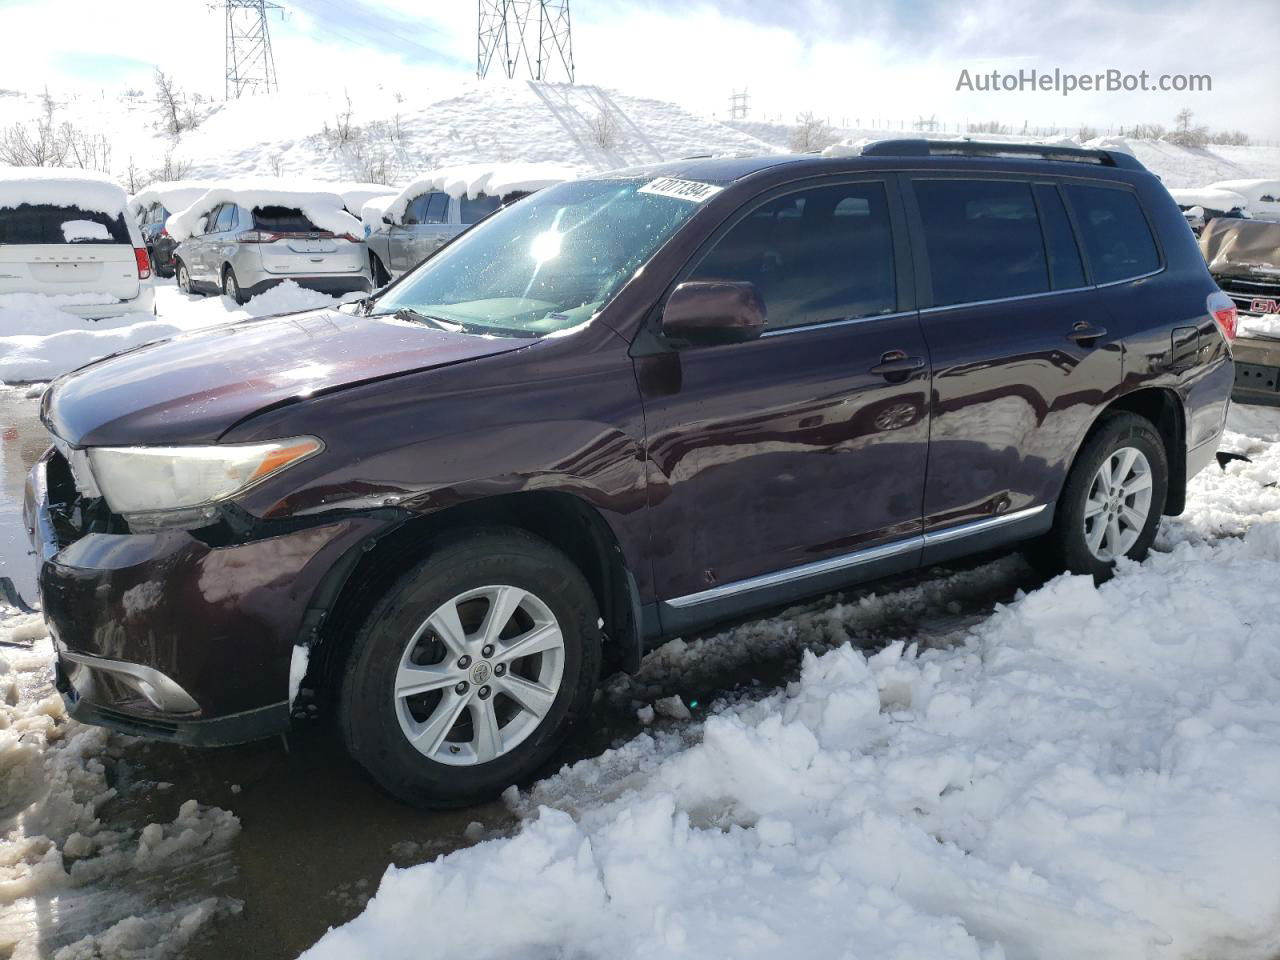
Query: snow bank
pixel 173 195
pixel 324 208
pixel 69 188
pixel 1211 197
pixel 111 890
pixel 38 341
pixel 473 179
pixel 1089 772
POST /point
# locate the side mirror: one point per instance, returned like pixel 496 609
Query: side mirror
pixel 387 220
pixel 714 311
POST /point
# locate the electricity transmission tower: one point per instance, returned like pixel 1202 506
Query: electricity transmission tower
pixel 535 33
pixel 739 106
pixel 250 66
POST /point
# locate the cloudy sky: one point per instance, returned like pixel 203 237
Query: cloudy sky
pixel 851 62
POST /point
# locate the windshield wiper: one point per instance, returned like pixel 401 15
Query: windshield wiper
pixel 412 315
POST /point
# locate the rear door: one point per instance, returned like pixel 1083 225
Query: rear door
pixel 63 250
pixel 1021 352
pixel 807 445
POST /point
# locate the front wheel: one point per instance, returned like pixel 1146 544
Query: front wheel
pixel 184 279
pixel 468 672
pixel 1113 498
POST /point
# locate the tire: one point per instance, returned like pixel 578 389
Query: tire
pixel 184 278
pixel 378 272
pixel 231 286
pixel 396 644
pixel 1073 544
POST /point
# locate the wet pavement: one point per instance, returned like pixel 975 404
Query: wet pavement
pixel 317 834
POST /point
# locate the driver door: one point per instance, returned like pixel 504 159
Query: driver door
pixel 803 451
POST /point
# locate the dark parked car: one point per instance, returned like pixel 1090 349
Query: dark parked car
pixel 151 208
pixel 625 408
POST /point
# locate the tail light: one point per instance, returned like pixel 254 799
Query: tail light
pixel 164 231
pixel 349 237
pixel 1224 313
pixel 257 236
pixel 144 262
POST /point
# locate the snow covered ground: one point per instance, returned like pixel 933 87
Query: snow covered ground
pixel 39 342
pixel 1088 772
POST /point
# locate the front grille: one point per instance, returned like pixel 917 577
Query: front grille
pixel 1251 286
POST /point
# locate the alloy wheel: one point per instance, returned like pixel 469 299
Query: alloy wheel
pixel 479 675
pixel 1118 505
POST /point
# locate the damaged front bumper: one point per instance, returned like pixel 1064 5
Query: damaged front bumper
pixel 170 635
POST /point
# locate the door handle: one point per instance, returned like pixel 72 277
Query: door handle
pixel 896 364
pixel 1084 331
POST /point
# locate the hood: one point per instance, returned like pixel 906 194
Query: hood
pixel 1237 248
pixel 193 388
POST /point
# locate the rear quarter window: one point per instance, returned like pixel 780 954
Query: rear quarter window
pixel 48 223
pixel 1116 236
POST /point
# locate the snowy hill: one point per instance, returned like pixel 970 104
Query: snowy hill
pixel 388 138
pixel 1176 166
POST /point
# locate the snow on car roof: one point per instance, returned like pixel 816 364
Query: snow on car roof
pixel 473 179
pixel 84 189
pixel 324 208
pixel 1210 197
pixel 170 194
pixel 371 210
pixel 1253 189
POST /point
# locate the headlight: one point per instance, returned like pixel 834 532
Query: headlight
pixel 167 485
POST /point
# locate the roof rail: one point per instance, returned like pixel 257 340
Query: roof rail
pixel 989 148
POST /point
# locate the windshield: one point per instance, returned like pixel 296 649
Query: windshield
pixel 546 264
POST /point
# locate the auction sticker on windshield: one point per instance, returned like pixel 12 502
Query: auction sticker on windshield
pixel 680 189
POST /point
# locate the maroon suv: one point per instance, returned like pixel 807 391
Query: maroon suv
pixel 621 409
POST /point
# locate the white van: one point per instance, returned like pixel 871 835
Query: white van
pixel 66 234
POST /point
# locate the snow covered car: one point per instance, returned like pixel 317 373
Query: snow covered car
pixel 1262 196
pixel 434 209
pixel 151 209
pixel 1244 258
pixel 625 408
pixel 65 234
pixel 242 238
pixel 1205 204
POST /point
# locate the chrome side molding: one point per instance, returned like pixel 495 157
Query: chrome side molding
pixel 881 552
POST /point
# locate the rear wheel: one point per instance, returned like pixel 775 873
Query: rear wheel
pixel 231 286
pixel 1112 501
pixel 468 672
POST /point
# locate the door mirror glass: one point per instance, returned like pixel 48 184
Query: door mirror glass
pixel 386 218
pixel 714 311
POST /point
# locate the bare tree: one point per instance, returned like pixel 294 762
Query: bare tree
pixel 1086 133
pixel 37 144
pixel 277 165
pixel 603 129
pixel 812 133
pixel 1233 138
pixel 1186 135
pixel 989 126
pixel 170 169
pixel 132 176
pixel 167 96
